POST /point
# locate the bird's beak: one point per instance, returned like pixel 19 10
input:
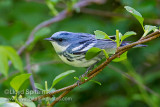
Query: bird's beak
pixel 49 39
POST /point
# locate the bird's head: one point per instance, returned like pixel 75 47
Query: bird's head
pixel 62 40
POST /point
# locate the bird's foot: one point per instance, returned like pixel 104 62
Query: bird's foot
pixel 83 77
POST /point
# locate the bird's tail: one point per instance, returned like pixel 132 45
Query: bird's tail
pixel 127 42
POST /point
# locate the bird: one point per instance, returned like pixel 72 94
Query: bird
pixel 72 47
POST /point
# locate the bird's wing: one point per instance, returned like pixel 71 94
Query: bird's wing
pixel 108 45
pixel 81 47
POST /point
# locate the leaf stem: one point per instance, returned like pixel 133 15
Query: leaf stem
pixel 145 33
pixel 105 53
pixel 46 87
pixel 52 8
pixel 117 38
pixel 16 100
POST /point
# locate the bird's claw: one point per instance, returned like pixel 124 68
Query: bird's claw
pixel 81 79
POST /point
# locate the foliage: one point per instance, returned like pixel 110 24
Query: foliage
pixel 60 77
pixel 136 14
pixel 91 53
pixel 17 81
pixel 8 53
pixel 55 81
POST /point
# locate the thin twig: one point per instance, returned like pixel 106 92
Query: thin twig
pixel 141 41
pixel 29 71
pixel 113 14
pixel 58 98
pixel 110 66
pixel 59 17
pixel 154 33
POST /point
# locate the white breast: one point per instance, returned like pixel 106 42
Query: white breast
pixel 78 63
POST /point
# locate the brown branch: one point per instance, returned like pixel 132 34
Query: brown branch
pixel 103 65
pixel 150 35
pixel 29 71
pixel 110 66
pixel 61 96
pixel 59 17
pixel 102 13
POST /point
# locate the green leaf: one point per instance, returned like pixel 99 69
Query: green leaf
pixel 122 57
pixel 17 81
pixel 76 78
pixel 96 82
pixel 127 34
pixel 136 14
pixel 51 6
pixel 6 53
pixel 85 78
pixel 3 62
pixel 39 86
pixel 92 53
pixel 14 57
pixel 27 102
pixel 105 53
pixel 101 35
pixel 120 36
pixel 61 76
pixel 148 29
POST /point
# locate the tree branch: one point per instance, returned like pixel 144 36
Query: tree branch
pixel 113 14
pixel 58 98
pixel 97 70
pixel 29 71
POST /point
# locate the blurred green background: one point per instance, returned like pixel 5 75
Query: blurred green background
pixel 19 17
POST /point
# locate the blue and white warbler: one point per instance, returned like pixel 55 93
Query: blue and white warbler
pixel 72 47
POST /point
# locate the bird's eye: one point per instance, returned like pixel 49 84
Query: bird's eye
pixel 60 39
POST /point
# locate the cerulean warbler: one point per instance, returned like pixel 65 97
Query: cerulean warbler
pixel 72 47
